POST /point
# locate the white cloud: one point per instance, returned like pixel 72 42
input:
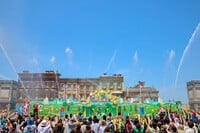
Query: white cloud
pixel 171 56
pixel 135 57
pixel 52 60
pixel 68 51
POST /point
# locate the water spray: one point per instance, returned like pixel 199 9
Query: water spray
pixel 111 61
pixel 185 52
pixel 14 69
pixel 54 67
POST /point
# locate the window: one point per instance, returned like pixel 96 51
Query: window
pixel 104 85
pixel 190 94
pixel 27 84
pixel 111 85
pixel 68 86
pixel 36 95
pixel 100 85
pixel 75 86
pixel 53 85
pixel 119 85
pixel 14 95
pixel 91 88
pixel 37 84
pixel 4 92
pixel 61 86
pixel 42 84
pixel 197 92
pixel 46 84
pixel 115 85
pixel 72 86
pixel 81 87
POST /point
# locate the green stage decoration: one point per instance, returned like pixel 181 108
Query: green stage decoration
pixel 100 103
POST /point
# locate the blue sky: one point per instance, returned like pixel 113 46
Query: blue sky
pixel 143 40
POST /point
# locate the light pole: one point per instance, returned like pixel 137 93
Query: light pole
pixel 140 94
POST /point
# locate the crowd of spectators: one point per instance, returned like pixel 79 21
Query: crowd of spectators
pixel 161 122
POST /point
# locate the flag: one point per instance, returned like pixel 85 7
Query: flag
pixel 26 106
pixel 141 111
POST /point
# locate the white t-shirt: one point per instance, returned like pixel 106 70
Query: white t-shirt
pixel 95 127
pixel 190 130
pixel 67 130
pixel 83 128
pixel 43 129
pixel 101 129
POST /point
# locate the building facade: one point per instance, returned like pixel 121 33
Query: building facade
pixel 37 86
pixel 141 92
pixel 193 91
pixel 8 94
pixel 79 88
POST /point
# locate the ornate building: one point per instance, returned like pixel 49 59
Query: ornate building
pixel 8 94
pixel 37 86
pixel 141 92
pixel 82 87
pixel 193 89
